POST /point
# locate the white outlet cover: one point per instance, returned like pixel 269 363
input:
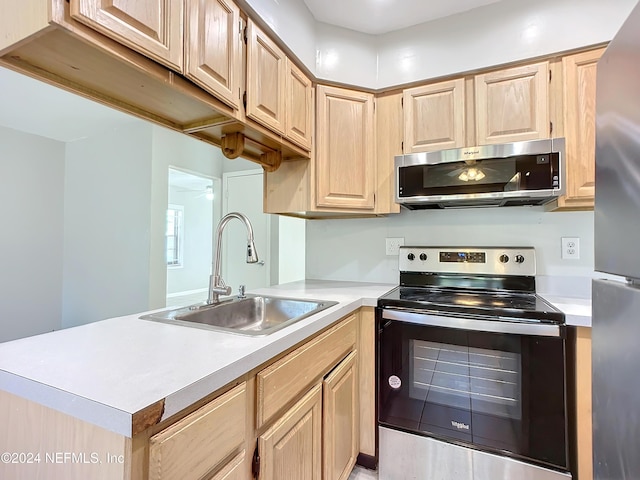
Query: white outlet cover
pixel 393 245
pixel 570 248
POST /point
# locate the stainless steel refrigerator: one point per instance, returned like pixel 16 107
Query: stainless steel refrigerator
pixel 616 303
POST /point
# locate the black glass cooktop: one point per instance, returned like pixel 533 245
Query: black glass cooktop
pixel 483 304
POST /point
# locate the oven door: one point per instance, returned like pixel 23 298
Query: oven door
pixel 493 390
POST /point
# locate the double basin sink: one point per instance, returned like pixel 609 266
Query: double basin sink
pixel 251 315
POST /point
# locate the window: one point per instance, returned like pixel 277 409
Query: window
pixel 175 235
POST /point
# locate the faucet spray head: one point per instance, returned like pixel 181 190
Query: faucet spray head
pixel 252 254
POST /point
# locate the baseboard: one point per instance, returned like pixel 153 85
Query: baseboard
pixel 367 461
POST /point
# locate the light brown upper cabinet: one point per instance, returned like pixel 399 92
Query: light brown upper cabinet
pixel 512 104
pixel 279 94
pixel 434 116
pixel 345 161
pixel 266 80
pixel 214 56
pixel 153 28
pixel 579 97
pixel 299 106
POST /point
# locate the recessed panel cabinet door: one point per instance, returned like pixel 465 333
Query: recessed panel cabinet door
pixel 579 74
pixel 434 117
pixel 266 71
pixel 299 106
pixel 513 104
pixel 341 416
pixel 214 58
pixel 153 28
pixel 291 449
pixel 345 162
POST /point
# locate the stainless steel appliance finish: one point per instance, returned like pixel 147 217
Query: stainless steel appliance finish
pixel 399 451
pixel 616 304
pixel 471 369
pixel 520 173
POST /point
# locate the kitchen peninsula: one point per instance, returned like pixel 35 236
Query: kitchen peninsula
pixel 105 388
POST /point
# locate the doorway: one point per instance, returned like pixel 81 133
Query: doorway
pixel 189 235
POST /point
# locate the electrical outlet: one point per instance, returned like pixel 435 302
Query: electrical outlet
pixel 570 248
pixel 394 244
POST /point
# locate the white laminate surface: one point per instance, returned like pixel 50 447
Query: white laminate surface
pixel 104 372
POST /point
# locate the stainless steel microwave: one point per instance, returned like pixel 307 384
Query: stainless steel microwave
pixel 520 173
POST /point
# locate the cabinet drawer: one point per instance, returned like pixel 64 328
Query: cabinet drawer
pixel 193 446
pixel 234 470
pixel 287 378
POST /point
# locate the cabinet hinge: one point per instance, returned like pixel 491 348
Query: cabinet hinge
pixel 244 100
pixel 402 146
pixel 244 34
pixel 402 102
pixel 550 128
pixel 549 76
pixel 255 464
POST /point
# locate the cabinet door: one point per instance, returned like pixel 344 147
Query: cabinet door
pixel 513 104
pixel 579 92
pixel 345 162
pixel 214 57
pixel 291 448
pixel 434 117
pixel 340 443
pixel 266 72
pixel 299 102
pixel 153 28
pixel 195 445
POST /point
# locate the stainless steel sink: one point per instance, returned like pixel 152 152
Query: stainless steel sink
pixel 253 315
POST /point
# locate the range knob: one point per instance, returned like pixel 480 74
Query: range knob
pixel 411 256
pixel 519 259
pixel 423 256
pixel 504 258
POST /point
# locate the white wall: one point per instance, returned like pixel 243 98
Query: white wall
pixel 198 238
pixel 31 198
pixel 291 249
pixel 355 249
pixel 106 225
pixel 492 35
pixel 173 149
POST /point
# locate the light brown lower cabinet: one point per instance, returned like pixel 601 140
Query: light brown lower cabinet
pixel 291 448
pixel 340 418
pixel 197 444
pixel 305 423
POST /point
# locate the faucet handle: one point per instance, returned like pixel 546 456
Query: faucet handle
pixel 241 291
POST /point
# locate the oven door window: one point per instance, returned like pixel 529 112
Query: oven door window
pixel 494 391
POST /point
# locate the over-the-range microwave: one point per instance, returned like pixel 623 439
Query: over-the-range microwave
pixel 520 173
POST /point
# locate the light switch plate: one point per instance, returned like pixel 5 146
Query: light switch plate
pixel 393 245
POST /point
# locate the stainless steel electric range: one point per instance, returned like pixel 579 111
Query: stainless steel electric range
pixel 471 369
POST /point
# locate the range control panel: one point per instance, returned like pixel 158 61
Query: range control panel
pixel 478 260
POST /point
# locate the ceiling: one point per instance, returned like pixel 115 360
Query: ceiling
pixel 382 16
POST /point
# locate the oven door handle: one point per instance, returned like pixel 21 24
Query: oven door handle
pixel 493 326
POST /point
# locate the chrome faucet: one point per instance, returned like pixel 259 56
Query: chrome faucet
pixel 217 286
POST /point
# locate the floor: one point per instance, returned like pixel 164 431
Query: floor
pixel 360 473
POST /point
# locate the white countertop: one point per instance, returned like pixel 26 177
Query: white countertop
pixel 105 372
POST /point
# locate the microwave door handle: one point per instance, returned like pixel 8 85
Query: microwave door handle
pixel 493 326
